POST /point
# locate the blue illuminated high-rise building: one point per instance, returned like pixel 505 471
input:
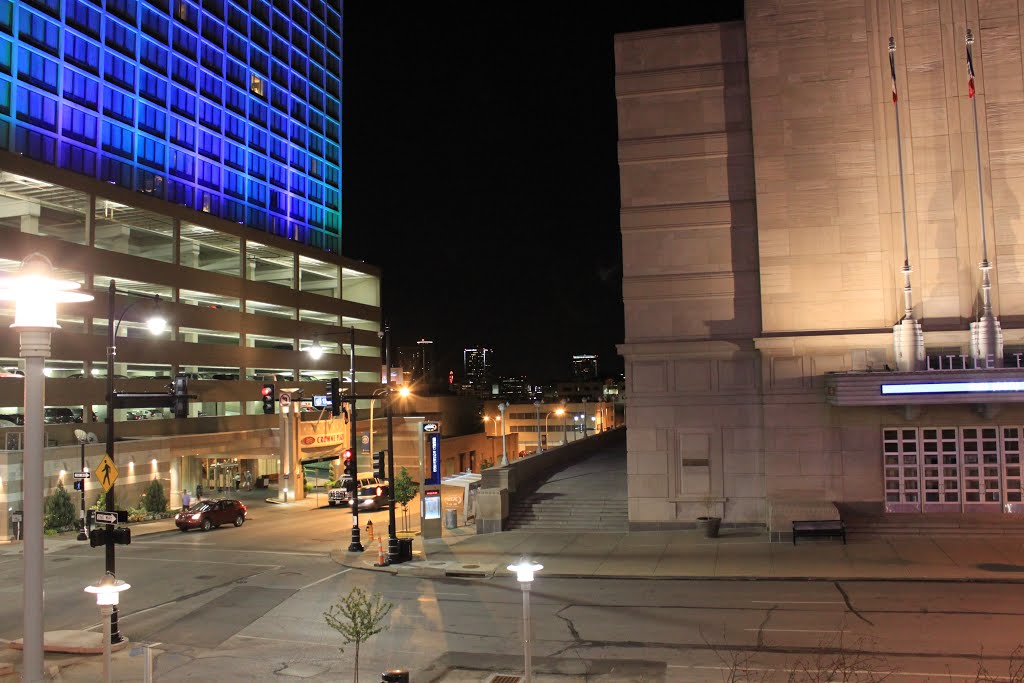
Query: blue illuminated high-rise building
pixel 228 107
pixel 190 152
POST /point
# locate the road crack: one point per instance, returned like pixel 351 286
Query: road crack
pixel 568 622
pixel 764 622
pixel 849 605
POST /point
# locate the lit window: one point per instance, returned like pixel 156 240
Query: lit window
pixel 256 85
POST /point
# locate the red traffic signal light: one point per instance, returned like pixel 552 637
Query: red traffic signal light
pixel 267 391
pixel 350 463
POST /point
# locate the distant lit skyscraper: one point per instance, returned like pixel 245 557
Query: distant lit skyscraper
pixel 477 365
pixel 584 366
pixel 418 362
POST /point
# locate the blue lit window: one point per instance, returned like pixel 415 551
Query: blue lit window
pixel 279 175
pixel 6 15
pixel 120 37
pixel 115 171
pixel 209 86
pixel 117 140
pixel 183 133
pixel 209 145
pixel 316 144
pixel 78 125
pixel 279 99
pixel 209 115
pixel 78 159
pixel 36 69
pixel 154 24
pixel 299 85
pixel 152 120
pixel 280 23
pixel 6 55
pixel 278 124
pixel 316 169
pixel 234 184
pixel 298 39
pixel 298 185
pixel 180 193
pixel 214 7
pixel 151 152
pixel 81 52
pixel 298 209
pixel 149 183
pixel 333 153
pixel 333 109
pixel 238 74
pixel 234 156
pixel 49 6
pixel 279 73
pixel 117 70
pixel 279 49
pixel 298 158
pixel 235 100
pixel 298 134
pixel 37 31
pixel 298 110
pixel 118 104
pixel 183 72
pixel 153 55
pixel 331 176
pixel 257 193
pixel 316 216
pixel 5 105
pixel 258 138
pixel 212 59
pixel 333 131
pixel 81 89
pixel 213 31
pixel 234 127
pixel 260 36
pixel 261 10
pixel 234 211
pixel 278 149
pixel 316 53
pixel 237 19
pixel 152 87
pixel 208 175
pixel 36 108
pixel 257 166
pixel 184 42
pixel 125 9
pixel 183 102
pixel 316 76
pixel 182 165
pixel 277 202
pixel 316 120
pixel 35 145
pixel 238 46
pixel 316 192
pixel 83 16
pixel 256 218
pixel 332 198
pixel 258 60
pixel 258 112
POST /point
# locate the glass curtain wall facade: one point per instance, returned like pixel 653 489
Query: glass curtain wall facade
pixel 229 107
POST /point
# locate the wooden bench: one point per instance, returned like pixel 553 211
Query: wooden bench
pixel 810 528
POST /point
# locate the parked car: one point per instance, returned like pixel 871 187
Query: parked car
pixel 12 372
pixel 13 417
pixel 210 514
pixel 373 493
pixel 60 416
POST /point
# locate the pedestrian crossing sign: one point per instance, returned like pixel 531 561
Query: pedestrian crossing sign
pixel 107 473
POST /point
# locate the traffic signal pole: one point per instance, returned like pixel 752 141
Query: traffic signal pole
pixel 392 529
pixel 115 634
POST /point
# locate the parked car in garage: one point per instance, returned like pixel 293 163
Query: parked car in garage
pixel 210 514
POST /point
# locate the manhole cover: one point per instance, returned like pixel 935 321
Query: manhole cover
pixel 1000 567
pixel 504 678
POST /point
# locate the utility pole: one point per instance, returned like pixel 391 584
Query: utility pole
pixel 355 545
pixel 115 634
pixel 392 528
pixel 536 404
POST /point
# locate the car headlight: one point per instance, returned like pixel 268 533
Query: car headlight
pixel 195 518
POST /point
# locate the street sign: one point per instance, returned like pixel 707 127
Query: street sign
pixel 107 472
pixel 105 517
pixel 285 400
pixel 82 475
pixel 430 427
pixel 322 401
pixel 16 517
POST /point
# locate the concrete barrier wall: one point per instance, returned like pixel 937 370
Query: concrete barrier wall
pixel 520 477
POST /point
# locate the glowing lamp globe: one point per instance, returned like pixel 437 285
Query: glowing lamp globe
pixel 107 589
pixel 525 570
pixel 36 294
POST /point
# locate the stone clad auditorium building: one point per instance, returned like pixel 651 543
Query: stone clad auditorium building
pixel 823 259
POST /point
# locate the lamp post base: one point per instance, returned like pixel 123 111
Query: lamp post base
pixel 355 546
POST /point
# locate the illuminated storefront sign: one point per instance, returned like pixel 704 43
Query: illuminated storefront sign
pixel 952 387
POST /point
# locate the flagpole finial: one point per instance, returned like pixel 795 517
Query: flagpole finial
pixel 970 37
pixel 892 44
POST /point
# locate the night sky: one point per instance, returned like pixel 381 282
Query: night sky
pixel 480 172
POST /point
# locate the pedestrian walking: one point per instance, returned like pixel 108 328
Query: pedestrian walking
pixel 185 499
pixel 199 491
pixel 238 481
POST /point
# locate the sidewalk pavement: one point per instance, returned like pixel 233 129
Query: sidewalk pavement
pixel 687 554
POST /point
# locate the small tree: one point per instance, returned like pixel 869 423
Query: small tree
pixel 154 499
pixel 405 491
pixel 101 502
pixel 59 511
pixel 357 617
pixel 486 464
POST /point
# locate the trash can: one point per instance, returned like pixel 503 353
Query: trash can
pixel 395 676
pixel 451 518
pixel 404 549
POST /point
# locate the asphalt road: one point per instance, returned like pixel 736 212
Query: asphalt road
pixel 248 602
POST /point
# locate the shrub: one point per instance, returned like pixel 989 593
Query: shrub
pixel 154 499
pixel 59 511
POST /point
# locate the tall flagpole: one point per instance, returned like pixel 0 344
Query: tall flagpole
pixel 986 335
pixel 908 340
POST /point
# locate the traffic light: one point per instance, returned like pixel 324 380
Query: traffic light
pixel 334 393
pixel 97 537
pixel 121 535
pixel 378 465
pixel 268 399
pixel 181 396
pixel 79 485
pixel 350 463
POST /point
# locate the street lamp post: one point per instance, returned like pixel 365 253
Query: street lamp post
pixel 83 438
pixel 156 325
pixel 536 405
pixel 504 454
pixel 556 411
pixel 107 591
pixel 36 295
pixel 524 573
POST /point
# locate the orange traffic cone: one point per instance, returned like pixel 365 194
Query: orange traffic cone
pixel 380 553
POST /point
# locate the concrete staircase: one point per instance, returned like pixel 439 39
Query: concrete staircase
pixel 557 512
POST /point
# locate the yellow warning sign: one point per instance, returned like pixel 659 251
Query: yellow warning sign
pixel 107 473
